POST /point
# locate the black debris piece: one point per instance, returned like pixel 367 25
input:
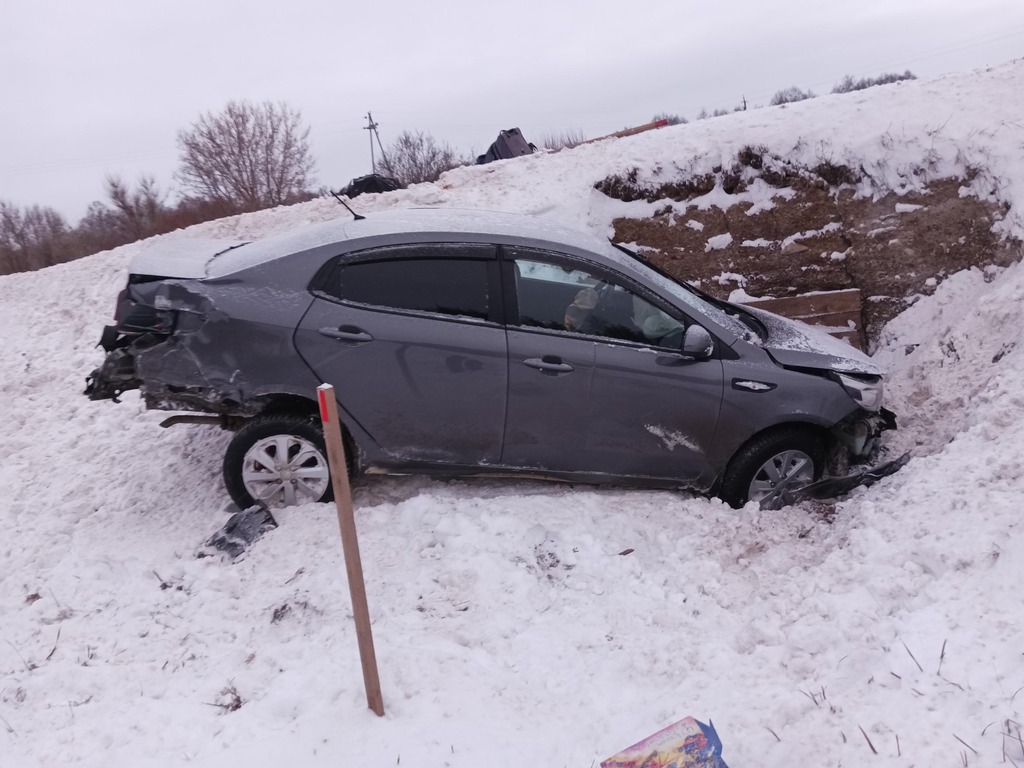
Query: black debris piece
pixel 372 182
pixel 242 529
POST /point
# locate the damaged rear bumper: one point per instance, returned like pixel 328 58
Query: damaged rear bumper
pixel 117 373
pixel 168 375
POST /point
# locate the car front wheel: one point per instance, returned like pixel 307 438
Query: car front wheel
pixel 770 464
pixel 279 459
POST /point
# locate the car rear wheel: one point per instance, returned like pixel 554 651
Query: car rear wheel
pixel 279 459
pixel 770 464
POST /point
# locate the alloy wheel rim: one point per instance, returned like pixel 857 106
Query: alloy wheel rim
pixel 285 470
pixel 786 469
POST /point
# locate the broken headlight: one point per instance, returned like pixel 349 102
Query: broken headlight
pixel 866 391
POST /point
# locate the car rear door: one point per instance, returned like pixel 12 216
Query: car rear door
pixel 410 336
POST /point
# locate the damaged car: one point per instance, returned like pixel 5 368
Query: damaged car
pixel 478 343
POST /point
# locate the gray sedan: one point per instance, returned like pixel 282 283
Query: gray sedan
pixel 477 343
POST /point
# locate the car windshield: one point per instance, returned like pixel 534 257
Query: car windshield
pixel 733 319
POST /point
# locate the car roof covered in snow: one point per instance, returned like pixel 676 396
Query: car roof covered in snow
pixel 430 222
pixel 179 257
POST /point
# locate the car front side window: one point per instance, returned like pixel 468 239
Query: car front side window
pixel 569 298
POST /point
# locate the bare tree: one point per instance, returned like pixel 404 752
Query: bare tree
pixel 417 157
pixel 138 212
pixel 99 230
pixel 31 239
pixel 252 155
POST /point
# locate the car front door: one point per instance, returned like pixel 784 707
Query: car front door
pixel 597 379
pixel 410 336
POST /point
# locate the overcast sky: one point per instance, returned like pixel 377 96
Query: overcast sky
pixel 102 87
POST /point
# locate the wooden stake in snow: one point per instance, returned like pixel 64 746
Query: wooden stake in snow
pixel 350 545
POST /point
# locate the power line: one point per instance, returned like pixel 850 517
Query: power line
pixel 44 166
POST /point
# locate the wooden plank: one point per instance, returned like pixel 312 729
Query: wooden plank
pixel 628 131
pixel 832 310
pixel 810 304
pixel 851 336
pixel 834 320
pixel 350 545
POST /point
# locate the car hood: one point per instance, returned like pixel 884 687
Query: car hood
pixel 798 345
pixel 179 257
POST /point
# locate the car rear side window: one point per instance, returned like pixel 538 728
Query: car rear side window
pixel 447 286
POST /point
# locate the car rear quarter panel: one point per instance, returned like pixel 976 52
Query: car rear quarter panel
pixel 234 342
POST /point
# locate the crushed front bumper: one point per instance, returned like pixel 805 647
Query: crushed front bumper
pixel 830 487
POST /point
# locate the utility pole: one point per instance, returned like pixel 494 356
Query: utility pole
pixel 372 128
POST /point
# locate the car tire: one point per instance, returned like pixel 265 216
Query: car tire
pixel 783 458
pixel 278 458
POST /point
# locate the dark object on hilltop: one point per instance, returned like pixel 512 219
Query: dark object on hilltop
pixel 509 144
pixel 372 182
pixel 242 529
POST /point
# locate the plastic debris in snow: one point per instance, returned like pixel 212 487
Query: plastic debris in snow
pixel 242 529
pixel 686 744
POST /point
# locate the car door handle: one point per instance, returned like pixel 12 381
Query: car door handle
pixel 347 333
pixel 549 363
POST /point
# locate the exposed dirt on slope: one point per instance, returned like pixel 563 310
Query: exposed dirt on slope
pixel 816 235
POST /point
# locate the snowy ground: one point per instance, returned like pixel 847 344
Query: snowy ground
pixel 527 624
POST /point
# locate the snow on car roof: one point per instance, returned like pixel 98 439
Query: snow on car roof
pixel 179 257
pixel 433 221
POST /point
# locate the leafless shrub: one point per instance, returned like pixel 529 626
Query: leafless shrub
pixel 732 180
pixel 228 700
pixel 565 140
pixel 836 174
pixel 253 155
pixel 416 157
pixel 280 612
pixel 672 119
pixel 704 114
pixel 752 156
pixel 790 95
pixel 848 83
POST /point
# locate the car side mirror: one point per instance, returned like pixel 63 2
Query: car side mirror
pixel 697 343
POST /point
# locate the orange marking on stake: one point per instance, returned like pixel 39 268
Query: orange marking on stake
pixel 321 393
